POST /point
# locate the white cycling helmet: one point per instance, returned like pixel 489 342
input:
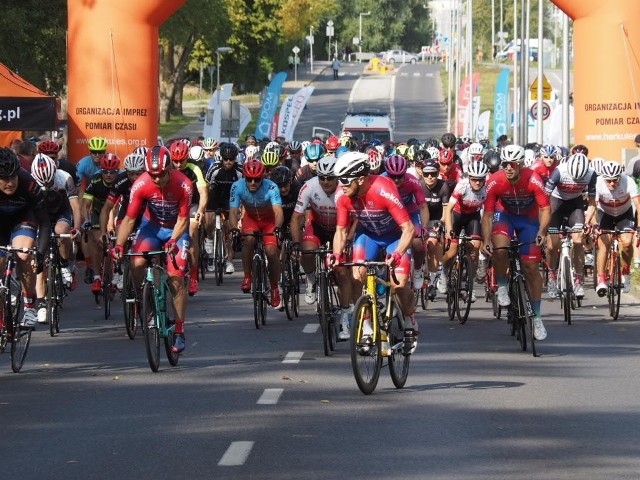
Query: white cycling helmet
pixel 43 169
pixel 529 157
pixel 352 165
pixel 475 149
pixel 134 162
pixel 252 151
pixel 477 169
pixel 596 164
pixel 512 153
pixel 433 152
pixel 611 170
pixel 577 165
pixel 375 159
pixel 196 153
pixel 326 166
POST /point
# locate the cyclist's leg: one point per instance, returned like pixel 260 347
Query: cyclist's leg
pixel 576 221
pixel 606 222
pixel 273 253
pixel 501 234
pixel 248 247
pixel 24 235
pixel 176 281
pixel 194 251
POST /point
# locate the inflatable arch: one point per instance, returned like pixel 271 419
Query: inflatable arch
pixel 113 72
pixel 606 73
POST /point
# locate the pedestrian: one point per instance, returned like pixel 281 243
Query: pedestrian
pixel 290 62
pixel 335 66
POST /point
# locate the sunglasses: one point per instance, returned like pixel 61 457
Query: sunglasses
pixel 97 153
pixel 479 180
pixel 431 174
pixel 253 180
pixel 611 180
pixel 396 177
pixel 110 172
pixel 346 181
pixel 156 176
pixel 511 165
pixel 309 160
pixel 326 178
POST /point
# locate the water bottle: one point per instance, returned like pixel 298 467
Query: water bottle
pixel 381 289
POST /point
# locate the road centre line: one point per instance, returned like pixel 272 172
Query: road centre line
pixel 236 454
pixel 311 328
pixel 293 357
pixel 270 396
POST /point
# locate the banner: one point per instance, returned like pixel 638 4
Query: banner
pixel 291 111
pixel 269 106
pixel 501 105
pixel 213 118
pixel 28 113
pixel 465 95
pixel 482 126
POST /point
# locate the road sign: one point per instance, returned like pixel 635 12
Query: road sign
pixel 330 30
pixel 295 50
pixel 546 89
pixel 546 111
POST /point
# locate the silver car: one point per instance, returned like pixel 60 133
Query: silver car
pixel 400 56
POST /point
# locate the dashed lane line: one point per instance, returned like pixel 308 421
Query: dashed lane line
pixel 236 454
pixel 293 357
pixel 270 396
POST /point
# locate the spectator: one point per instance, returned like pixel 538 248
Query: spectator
pixel 637 140
pixel 335 66
pixel 290 62
pixel 15 145
pixel 26 153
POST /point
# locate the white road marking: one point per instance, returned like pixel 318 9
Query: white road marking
pixel 293 357
pixel 311 328
pixel 270 396
pixel 236 454
pixel 352 94
pixel 416 74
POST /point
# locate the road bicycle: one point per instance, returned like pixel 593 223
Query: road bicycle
pixel 460 281
pixel 12 305
pixel 520 311
pixel 130 304
pixel 219 248
pixel 260 285
pixel 203 257
pixel 55 288
pixel 377 331
pixel 290 279
pixel 614 270
pixel 109 289
pixel 158 316
pixel 491 289
pixel 566 271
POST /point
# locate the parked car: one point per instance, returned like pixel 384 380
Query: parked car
pixel 400 56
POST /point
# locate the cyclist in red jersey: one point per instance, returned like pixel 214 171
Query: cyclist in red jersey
pixel 450 171
pixel 546 162
pixel 165 196
pixel 516 202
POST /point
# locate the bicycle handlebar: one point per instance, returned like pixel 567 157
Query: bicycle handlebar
pixel 368 263
pixel 153 253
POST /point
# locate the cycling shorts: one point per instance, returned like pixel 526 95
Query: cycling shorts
pixel 527 230
pixel 572 210
pixel 470 222
pixel 626 220
pixel 315 234
pixel 152 236
pixel 22 226
pixel 370 247
pixel 249 225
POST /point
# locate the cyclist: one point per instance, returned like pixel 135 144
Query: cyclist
pixel 332 144
pixel 270 160
pixel 463 212
pixel 210 147
pixel 450 171
pixel 262 204
pixel 413 199
pixel 23 210
pixel 566 185
pixel 383 222
pixel 312 153
pixel 163 197
pixel 616 198
pixel 293 155
pixel 220 177
pixel 63 207
pixel 52 150
pixel 93 200
pixel 546 162
pixel 516 202
pixel 282 177
pixel 179 152
pixel 86 169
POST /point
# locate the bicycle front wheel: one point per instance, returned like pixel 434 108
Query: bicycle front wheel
pixel 464 290
pixel 150 326
pixel 219 256
pixel 257 291
pixel 169 324
pixel 452 285
pixel 21 336
pixel 614 288
pixel 52 300
pixel 107 275
pixel 324 312
pixel 130 305
pixel 527 315
pixel 398 360
pixel 287 287
pixel 566 291
pixel 366 358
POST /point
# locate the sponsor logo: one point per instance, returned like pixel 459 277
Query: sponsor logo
pixel 390 196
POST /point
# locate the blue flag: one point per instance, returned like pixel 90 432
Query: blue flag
pixel 501 105
pixel 269 106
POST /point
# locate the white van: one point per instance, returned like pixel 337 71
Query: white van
pixel 514 47
pixel 363 126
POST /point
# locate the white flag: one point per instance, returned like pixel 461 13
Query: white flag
pixel 292 110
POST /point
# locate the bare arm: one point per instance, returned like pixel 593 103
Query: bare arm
pixel 296 221
pixel 408 231
pixel 234 217
pixel 277 210
pixel 339 239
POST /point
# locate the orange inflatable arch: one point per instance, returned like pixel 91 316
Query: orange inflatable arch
pixel 113 72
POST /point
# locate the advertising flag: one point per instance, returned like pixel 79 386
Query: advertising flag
pixel 292 110
pixel 269 106
pixel 468 89
pixel 501 105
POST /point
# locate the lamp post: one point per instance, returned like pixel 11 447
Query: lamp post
pixel 362 14
pixel 219 51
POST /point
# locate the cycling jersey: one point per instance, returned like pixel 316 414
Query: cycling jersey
pixel 562 185
pixel 289 203
pixel 221 180
pixel 303 175
pixel 436 197
pixel 542 170
pixel 57 197
pixel 520 199
pixel 194 173
pixel 86 169
pixel 379 210
pixel 411 193
pixel 322 206
pixel 466 200
pixel 258 204
pixel 162 206
pixel 617 201
pixel 120 191
pixel 453 176
pixel 97 192
pixel 66 166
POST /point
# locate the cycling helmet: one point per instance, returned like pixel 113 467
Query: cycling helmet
pixel 179 151
pixel 253 169
pixel 434 152
pixel 580 149
pixel 563 152
pixel 332 143
pixel 421 155
pixel 402 149
pixel 477 169
pixel 295 147
pixel 281 176
pixel 158 160
pixel 141 151
pixel 352 165
pixel 228 151
pixel 340 150
pixel 43 169
pixel 474 151
pixel 577 165
pixel 304 145
pixel 375 159
pixel 448 140
pixel 251 151
pixel 529 157
pixel 97 144
pixel 314 152
pixel 596 164
pixel 446 156
pixel 492 159
pixel 48 147
pixel 431 165
pixel 240 158
pixel 512 153
pixel 611 170
pixel 196 153
pixel 109 161
pixel 209 143
pixel 548 151
pixel 134 162
pixel 346 133
pixel 270 158
pixel 396 165
pixel 326 166
pixel 9 163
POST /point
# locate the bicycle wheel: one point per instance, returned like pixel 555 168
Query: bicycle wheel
pixel 512 311
pixel 287 287
pixel 566 291
pixel 521 319
pixel 150 326
pixel 202 256
pixel 20 336
pixel 452 284
pixel 464 290
pixel 219 257
pixel 398 361
pixel 51 302
pixel 295 276
pixel 424 297
pixel 107 275
pixel 130 305
pixel 366 360
pixel 169 324
pixel 614 287
pixel 323 311
pixel 256 290
pixel 527 316
pixel 266 290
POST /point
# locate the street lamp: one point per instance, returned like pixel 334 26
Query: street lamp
pixel 362 14
pixel 220 50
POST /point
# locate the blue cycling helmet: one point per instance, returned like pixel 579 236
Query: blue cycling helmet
pixel 341 149
pixel 314 152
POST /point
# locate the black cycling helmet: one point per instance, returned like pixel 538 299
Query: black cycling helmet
pixel 448 140
pixel 492 159
pixel 281 176
pixel 9 163
pixel 228 151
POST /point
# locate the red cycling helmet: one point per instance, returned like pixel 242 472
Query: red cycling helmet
pixel 109 161
pixel 48 147
pixel 446 156
pixel 253 169
pixel 333 143
pixel 158 160
pixel 179 151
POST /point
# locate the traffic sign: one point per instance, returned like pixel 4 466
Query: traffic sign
pixel 295 50
pixel 546 89
pixel 546 111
